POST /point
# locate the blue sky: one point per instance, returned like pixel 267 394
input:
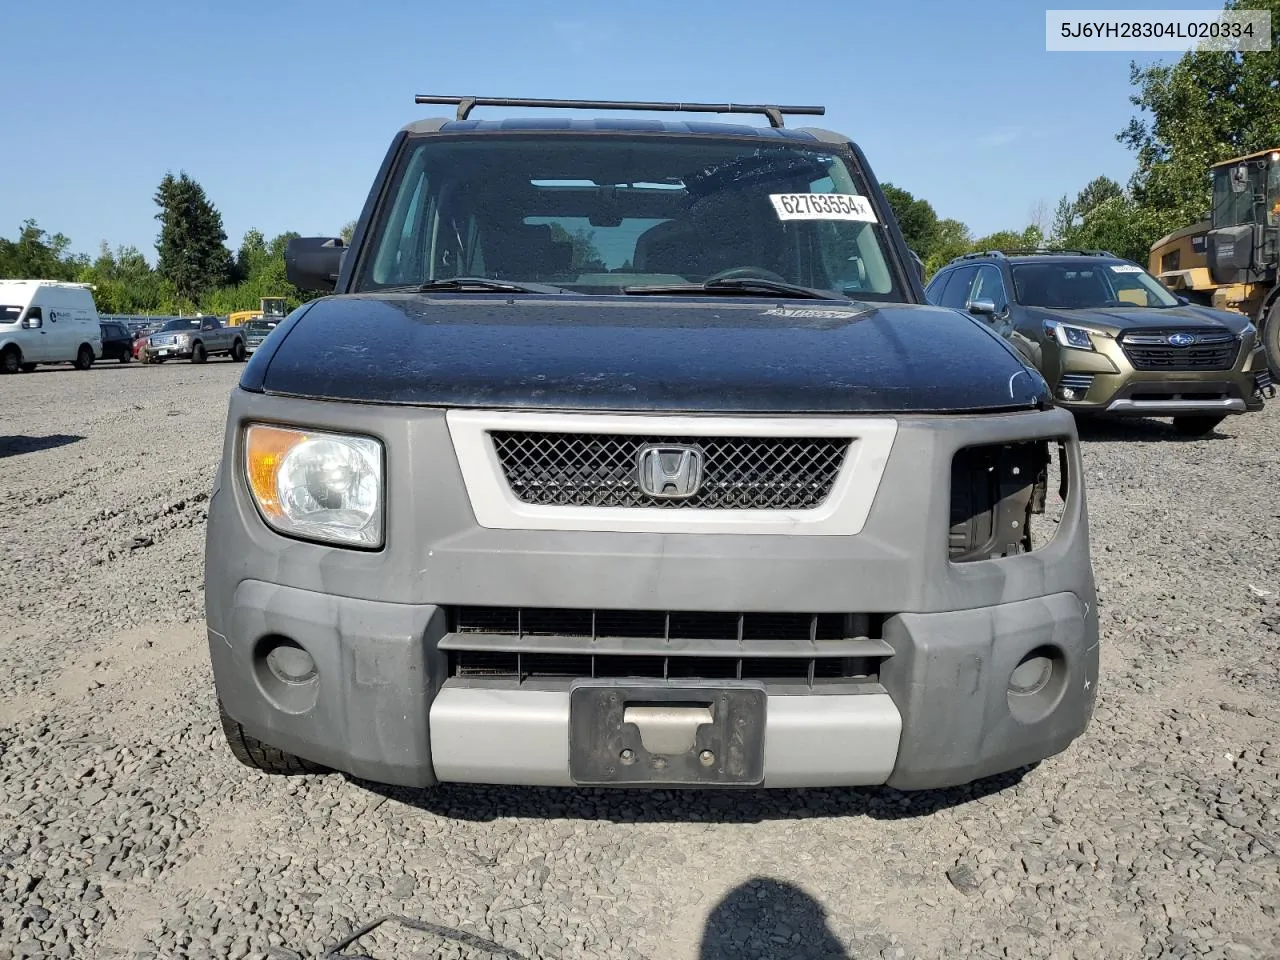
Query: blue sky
pixel 283 110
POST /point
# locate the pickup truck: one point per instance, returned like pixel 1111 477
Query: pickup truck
pixel 195 339
pixel 630 453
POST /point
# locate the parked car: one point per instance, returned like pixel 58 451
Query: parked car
pixel 117 343
pixel 47 321
pixel 195 339
pixel 256 331
pixel 140 342
pixel 1109 338
pixel 709 496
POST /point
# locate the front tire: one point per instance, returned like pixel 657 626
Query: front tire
pixel 11 360
pixel 84 357
pixel 1196 426
pixel 1271 339
pixel 199 354
pixel 238 352
pixel 126 357
pixel 252 752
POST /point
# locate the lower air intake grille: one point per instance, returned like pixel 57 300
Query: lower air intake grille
pixel 736 473
pixel 522 643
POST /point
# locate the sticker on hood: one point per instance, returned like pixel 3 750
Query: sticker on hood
pixel 822 206
pixel 1125 268
pixel 806 313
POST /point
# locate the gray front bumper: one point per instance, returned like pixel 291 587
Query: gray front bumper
pixel 383 708
pixel 380 709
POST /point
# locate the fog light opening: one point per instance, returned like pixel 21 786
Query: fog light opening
pixel 287 674
pixel 1031 674
pixel 290 663
pixel 1068 393
pixel 1037 684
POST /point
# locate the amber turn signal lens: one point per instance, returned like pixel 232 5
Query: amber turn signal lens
pixel 265 448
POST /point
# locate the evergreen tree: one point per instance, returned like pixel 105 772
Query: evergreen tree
pixel 193 257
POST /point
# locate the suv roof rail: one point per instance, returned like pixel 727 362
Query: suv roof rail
pixel 773 111
pixel 1034 252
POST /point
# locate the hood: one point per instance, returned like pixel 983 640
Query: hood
pixel 715 354
pixel 1116 319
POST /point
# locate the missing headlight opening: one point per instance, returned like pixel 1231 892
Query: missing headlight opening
pixel 1003 498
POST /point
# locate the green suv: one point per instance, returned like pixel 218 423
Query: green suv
pixel 1109 338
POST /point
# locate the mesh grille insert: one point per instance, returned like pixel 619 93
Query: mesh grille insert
pixel 601 470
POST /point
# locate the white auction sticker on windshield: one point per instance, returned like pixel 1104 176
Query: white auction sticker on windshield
pixel 822 206
pixel 1125 268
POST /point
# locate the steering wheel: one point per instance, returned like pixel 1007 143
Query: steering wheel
pixel 746 273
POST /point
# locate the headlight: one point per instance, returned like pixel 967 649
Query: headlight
pixel 321 486
pixel 183 338
pixel 1076 338
pixel 1249 331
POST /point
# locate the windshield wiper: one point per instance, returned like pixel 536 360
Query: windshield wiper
pixel 751 286
pixel 486 284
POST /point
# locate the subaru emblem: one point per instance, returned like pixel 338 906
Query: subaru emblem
pixel 670 472
pixel 1181 339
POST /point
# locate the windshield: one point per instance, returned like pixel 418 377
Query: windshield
pixel 259 326
pixel 1083 286
pixel 597 213
pixel 9 314
pixel 180 325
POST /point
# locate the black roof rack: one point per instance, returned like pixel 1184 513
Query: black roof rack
pixel 773 111
pixel 1034 252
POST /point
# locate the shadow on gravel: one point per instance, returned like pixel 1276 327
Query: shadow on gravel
pixel 12 446
pixel 767 914
pixel 1139 431
pixel 484 803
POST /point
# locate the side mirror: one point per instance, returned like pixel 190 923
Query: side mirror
pixel 982 307
pixel 33 323
pixel 313 263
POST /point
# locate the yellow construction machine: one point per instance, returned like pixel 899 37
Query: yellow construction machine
pixel 1231 261
pixel 270 308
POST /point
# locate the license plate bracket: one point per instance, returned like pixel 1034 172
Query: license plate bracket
pixel 623 733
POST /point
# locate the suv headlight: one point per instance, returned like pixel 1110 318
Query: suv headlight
pixel 1249 331
pixel 182 338
pixel 1077 338
pixel 320 486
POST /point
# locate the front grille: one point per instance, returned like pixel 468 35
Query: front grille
pixel 601 470
pixel 521 666
pixel 669 625
pixel 522 643
pixel 166 340
pixel 1213 350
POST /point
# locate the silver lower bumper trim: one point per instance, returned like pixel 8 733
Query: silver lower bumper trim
pixel 491 735
pixel 1176 407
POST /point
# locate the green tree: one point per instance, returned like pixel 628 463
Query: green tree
pixel 916 218
pixel 124 282
pixel 35 255
pixel 951 239
pixel 586 255
pixel 348 229
pixel 192 254
pixel 1207 107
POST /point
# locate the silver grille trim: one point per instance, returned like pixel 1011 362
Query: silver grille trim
pixel 830 496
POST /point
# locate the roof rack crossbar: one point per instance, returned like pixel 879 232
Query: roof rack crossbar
pixel 773 111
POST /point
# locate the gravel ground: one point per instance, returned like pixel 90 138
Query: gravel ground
pixel 127 829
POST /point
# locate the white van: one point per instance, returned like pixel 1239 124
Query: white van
pixel 47 321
